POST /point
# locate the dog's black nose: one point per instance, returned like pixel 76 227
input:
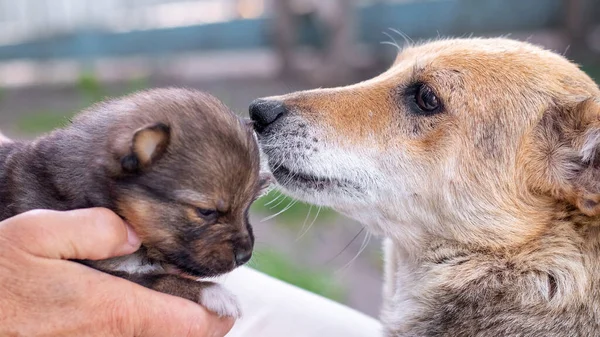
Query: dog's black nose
pixel 264 112
pixel 242 256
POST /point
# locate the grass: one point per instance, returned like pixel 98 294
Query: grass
pixel 43 121
pixel 283 268
pixel 593 71
pixel 294 214
pixel 90 89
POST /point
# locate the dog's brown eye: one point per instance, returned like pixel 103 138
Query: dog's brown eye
pixel 207 214
pixel 426 99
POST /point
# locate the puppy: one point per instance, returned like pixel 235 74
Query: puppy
pixel 175 164
pixel 478 161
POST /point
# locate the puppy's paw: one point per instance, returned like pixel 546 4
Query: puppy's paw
pixel 4 139
pixel 214 297
pixel 221 301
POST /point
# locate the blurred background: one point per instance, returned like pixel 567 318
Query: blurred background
pixel 59 56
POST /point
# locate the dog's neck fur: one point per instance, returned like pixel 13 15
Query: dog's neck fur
pixel 430 288
pixel 53 172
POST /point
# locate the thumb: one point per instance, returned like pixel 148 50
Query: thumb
pixel 159 315
pixel 87 234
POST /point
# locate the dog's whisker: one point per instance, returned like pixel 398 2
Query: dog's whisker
pixel 394 43
pixel 405 36
pixel 391 44
pixel 363 246
pixel 306 219
pixel 292 203
pixel 311 224
pixel 279 164
pixel 274 199
pixel 279 203
pixel 346 247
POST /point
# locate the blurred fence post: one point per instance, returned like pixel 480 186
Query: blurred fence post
pixel 332 22
pixel 284 34
pixel 338 58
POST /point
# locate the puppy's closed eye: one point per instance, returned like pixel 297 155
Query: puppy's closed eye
pixel 207 214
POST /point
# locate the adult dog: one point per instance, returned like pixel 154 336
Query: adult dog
pixel 477 160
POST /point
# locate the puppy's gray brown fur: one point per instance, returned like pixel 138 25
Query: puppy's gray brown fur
pixel 479 161
pixel 176 164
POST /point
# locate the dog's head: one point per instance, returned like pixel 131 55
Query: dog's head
pixel 185 170
pixel 476 139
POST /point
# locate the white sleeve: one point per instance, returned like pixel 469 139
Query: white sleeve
pixel 272 308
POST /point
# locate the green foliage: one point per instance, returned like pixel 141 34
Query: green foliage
pixel 593 71
pixel 90 88
pixel 42 121
pixel 137 84
pixel 283 268
pixel 295 214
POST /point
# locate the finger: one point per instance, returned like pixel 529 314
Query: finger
pixel 93 234
pixel 165 315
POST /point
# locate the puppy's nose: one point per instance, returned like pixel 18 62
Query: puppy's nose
pixel 265 112
pixel 242 255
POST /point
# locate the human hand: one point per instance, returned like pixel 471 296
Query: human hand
pixel 44 294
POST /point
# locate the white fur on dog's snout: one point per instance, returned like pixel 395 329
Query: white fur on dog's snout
pixel 303 150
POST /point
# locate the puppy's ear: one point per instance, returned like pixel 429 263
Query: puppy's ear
pixel 148 144
pixel 564 160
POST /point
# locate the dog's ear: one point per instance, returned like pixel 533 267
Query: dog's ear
pixel 147 145
pixel 566 155
pixel 586 140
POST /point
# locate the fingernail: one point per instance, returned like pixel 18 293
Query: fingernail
pixel 132 238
